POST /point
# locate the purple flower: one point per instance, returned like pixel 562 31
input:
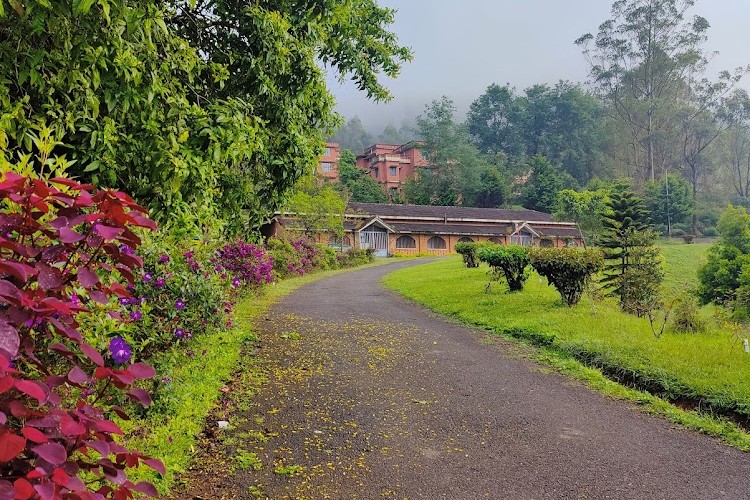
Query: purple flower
pixel 166 380
pixel 136 315
pixel 164 259
pixel 189 254
pixel 74 299
pixel 236 282
pixel 147 278
pixel 179 305
pixel 179 333
pixel 190 353
pixel 119 350
pixel 125 301
pixel 159 283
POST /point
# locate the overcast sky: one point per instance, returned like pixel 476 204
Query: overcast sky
pixel 462 46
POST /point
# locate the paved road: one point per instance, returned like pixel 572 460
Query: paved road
pixel 375 397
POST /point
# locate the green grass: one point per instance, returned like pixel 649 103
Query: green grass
pixel 681 263
pixel 197 379
pixel 709 367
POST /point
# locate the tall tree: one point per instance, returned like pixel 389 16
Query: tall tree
pixel 217 106
pixel 735 150
pixel 669 201
pixel 631 270
pixel 641 60
pixel 457 173
pixel 540 190
pixel 495 121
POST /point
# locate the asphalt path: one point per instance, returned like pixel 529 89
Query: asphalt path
pixel 372 396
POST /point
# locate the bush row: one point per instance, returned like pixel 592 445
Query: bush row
pixel 567 269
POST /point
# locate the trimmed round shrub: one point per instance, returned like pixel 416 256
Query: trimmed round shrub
pixel 507 262
pixel 469 253
pixel 567 269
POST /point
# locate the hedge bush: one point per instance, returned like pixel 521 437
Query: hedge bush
pixel 509 262
pixel 567 269
pixel 468 251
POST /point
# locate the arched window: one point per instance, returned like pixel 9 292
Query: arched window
pixel 465 239
pixel 406 241
pixel 436 243
pixel 496 241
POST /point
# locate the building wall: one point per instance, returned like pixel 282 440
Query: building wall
pixel 390 164
pixel 330 159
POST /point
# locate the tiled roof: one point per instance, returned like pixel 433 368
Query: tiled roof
pixel 434 212
pixel 480 230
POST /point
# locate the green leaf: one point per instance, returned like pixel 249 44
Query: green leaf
pixel 81 7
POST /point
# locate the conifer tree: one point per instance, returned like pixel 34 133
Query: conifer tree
pixel 631 271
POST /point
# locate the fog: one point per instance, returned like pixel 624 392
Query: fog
pixel 462 47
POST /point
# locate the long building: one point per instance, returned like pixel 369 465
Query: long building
pixel 390 229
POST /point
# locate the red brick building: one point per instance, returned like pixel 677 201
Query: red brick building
pixel 433 230
pixel 328 165
pixel 389 164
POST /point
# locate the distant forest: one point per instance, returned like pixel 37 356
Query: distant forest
pixel 649 118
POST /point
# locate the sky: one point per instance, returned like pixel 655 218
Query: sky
pixel 462 46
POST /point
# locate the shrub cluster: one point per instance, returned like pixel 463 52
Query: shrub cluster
pixel 63 247
pixel 567 269
pixel 509 262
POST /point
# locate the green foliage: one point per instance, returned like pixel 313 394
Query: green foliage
pixel 468 251
pixel 668 200
pixel 359 184
pixel 587 208
pixel 318 208
pixel 725 277
pixel 567 269
pixel 540 191
pixel 632 271
pixel 458 174
pixel 145 101
pixel 562 123
pixel 355 257
pixel 686 317
pixel 509 262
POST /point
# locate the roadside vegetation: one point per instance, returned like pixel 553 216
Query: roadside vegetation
pixel 705 370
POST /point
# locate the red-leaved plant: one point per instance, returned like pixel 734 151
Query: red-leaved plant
pixel 62 244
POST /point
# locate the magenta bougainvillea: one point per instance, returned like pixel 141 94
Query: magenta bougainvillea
pixel 62 245
pixel 247 264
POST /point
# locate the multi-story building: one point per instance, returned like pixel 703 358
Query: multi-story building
pixel 391 164
pixel 328 163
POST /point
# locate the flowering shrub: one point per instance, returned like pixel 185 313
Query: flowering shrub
pixel 286 261
pixel 64 246
pixel 176 296
pixel 246 264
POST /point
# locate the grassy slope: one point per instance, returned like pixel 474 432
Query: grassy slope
pixel 711 367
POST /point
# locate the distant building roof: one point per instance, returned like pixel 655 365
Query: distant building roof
pixel 392 211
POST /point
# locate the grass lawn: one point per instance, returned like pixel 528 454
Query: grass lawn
pixel 711 367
